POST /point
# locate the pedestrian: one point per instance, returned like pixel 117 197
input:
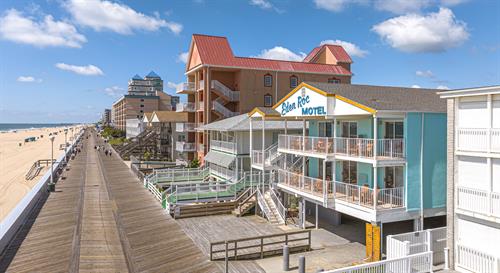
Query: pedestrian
pixel 106 152
pixel 109 152
pixel 95 147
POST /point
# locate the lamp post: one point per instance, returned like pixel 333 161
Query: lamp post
pixel 52 186
pixel 65 143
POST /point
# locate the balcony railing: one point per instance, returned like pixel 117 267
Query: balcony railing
pixel 478 139
pixel 201 85
pixel 185 107
pixel 352 147
pixel 225 91
pixel 186 87
pixel 476 260
pixel 225 146
pixel 388 198
pixel 185 127
pixel 218 106
pixel 270 155
pixel 480 201
pixel 222 171
pixel 200 147
pixel 182 146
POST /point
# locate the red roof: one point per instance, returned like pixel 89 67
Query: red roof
pixel 216 51
pixel 337 51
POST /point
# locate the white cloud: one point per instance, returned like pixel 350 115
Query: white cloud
pixel 434 32
pixel 336 5
pixel 87 70
pixel 263 4
pixel 424 74
pixel 281 53
pixel 351 48
pixel 173 85
pixel 183 57
pixel 28 79
pixel 114 91
pixel 47 32
pixel 402 6
pixel 442 87
pixel 105 15
pixel 416 86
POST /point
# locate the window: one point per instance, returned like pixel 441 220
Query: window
pixel 349 129
pixel 294 81
pixel 394 129
pixel 142 105
pixel 142 100
pixel 333 80
pixel 268 80
pixel 142 111
pixel 268 100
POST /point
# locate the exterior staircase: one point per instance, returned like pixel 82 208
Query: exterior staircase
pixel 226 95
pixel 146 140
pixel 245 205
pixel 274 211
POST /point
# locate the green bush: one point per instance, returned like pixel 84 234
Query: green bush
pixel 195 163
pixel 111 132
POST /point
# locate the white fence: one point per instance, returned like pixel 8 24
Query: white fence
pixel 401 245
pixel 416 263
pixel 478 139
pixel 476 260
pixel 477 200
pixel 225 146
pixel 185 107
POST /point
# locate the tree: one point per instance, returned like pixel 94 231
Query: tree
pixel 195 163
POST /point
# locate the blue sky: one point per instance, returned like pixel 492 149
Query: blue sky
pixel 67 60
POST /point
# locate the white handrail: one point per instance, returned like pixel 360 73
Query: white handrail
pixel 480 201
pixel 279 206
pixel 226 91
pixel 476 260
pixel 226 146
pixel 219 107
pixel 185 107
pixel 185 86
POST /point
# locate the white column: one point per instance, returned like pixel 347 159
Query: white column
pixel 334 162
pixel 316 223
pixel 263 149
pixel 375 175
pixel 251 151
pixel 303 150
pixel 325 188
pixel 490 120
pixel 286 140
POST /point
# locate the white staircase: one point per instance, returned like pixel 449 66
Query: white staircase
pixel 273 210
pixel 224 91
pixel 219 107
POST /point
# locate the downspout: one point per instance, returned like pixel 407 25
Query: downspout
pixel 276 89
pixel 422 174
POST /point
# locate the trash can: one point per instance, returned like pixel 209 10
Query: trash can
pixel 51 187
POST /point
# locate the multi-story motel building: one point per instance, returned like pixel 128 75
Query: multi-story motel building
pixel 144 95
pixel 166 124
pixel 106 117
pixel 374 153
pixel 229 154
pixel 221 85
pixel 473 216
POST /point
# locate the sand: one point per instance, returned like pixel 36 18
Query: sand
pixel 15 161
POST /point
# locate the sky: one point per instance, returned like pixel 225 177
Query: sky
pixel 67 60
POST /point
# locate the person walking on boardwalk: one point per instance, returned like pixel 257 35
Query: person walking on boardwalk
pixel 106 152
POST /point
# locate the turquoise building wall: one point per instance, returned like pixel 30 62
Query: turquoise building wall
pixel 433 163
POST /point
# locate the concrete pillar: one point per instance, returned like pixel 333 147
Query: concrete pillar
pixel 317 217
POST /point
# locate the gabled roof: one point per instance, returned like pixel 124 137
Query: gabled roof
pixel 152 74
pixel 136 77
pixel 384 98
pixel 338 52
pixel 216 51
pixel 169 116
pixel 242 123
pixel 147 117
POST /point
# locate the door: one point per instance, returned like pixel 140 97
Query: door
pixel 394 177
pixel 394 129
pixel 349 172
pixel 349 129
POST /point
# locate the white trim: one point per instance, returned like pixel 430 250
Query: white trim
pixel 486 90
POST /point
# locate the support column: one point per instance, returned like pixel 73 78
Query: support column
pixel 303 150
pixel 317 217
pixel 375 175
pixel 302 213
pixel 251 153
pixel 263 149
pixel 286 140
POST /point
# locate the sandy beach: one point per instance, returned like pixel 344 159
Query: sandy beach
pixel 15 161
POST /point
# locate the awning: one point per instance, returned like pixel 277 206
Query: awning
pixel 219 158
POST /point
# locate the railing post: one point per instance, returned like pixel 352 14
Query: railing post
pixel 446 258
pixel 261 247
pixel 226 260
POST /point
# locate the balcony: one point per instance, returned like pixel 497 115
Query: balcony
pixel 224 91
pixel 478 140
pixel 201 85
pixel 360 196
pixel 387 149
pixel 268 158
pixel 185 127
pixel 185 107
pixel 200 106
pixel 182 146
pixel 222 172
pixel 475 260
pixel 478 201
pixel 224 146
pixel 200 147
pixel 186 88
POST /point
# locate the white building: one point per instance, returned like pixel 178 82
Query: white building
pixel 474 179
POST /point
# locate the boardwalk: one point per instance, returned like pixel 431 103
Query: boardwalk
pixel 101 219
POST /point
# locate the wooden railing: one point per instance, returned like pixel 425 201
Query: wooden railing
pixel 260 246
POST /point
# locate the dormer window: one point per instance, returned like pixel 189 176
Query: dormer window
pixel 294 81
pixel 268 80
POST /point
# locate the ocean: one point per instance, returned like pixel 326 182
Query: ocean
pixel 19 126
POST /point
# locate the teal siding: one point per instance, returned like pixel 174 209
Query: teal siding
pixel 434 166
pixel 365 174
pixel 365 128
pixel 313 162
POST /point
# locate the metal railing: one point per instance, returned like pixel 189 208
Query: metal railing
pixel 227 92
pixel 182 174
pixel 185 107
pixel 303 183
pixel 182 146
pixel 219 107
pixel 416 263
pixel 270 154
pixel 222 171
pixel 225 146
pixel 185 127
pixel 480 201
pixel 352 147
pixel 281 209
pixel 476 260
pixel 401 245
pixel 185 86
pixel 478 139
